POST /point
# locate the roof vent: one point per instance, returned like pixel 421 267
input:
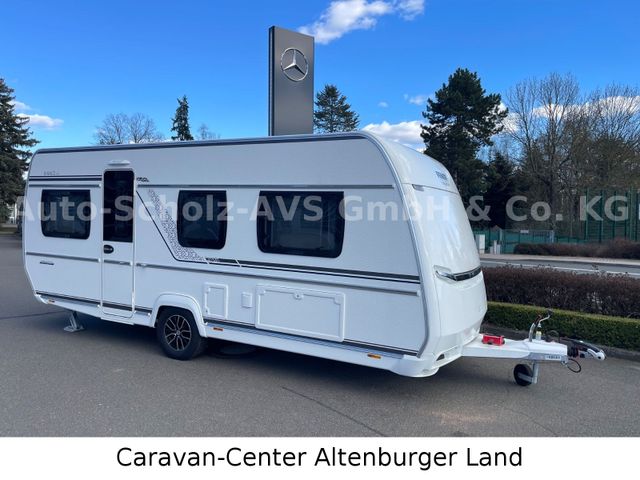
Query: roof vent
pixel 119 163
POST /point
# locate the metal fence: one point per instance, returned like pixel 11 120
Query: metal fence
pixel 615 215
pixel 508 239
pixel 601 215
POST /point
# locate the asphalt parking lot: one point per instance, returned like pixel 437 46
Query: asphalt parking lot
pixel 112 379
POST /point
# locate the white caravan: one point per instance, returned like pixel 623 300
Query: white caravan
pixel 386 276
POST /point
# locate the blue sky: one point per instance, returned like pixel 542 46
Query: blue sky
pixel 73 62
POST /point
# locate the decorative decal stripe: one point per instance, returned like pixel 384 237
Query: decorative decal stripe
pixel 267 186
pixel 117 306
pixel 66 257
pixel 170 232
pixel 65 178
pixel 333 271
pixel 349 344
pixel 65 185
pixel 246 273
pixel 93 302
pixel 58 296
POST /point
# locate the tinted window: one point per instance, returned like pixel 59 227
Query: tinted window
pixel 118 206
pixel 202 219
pixel 301 223
pixel 66 213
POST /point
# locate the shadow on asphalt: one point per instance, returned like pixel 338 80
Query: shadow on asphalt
pixel 275 363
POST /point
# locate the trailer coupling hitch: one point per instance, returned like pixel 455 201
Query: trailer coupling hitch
pixel 575 348
pixel 581 349
pixel 536 349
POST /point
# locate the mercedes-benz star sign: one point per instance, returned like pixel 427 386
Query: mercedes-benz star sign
pixel 294 64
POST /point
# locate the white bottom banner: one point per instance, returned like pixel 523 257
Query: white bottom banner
pixel 282 458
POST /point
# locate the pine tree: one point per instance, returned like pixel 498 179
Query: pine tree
pixel 181 121
pixel 15 140
pixel 333 113
pixel 462 119
pixel 502 182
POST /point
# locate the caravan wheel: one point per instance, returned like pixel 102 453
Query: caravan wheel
pixel 178 335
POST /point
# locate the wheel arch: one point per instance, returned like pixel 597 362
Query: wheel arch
pixel 177 300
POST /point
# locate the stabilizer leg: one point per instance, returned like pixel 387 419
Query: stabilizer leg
pixel 74 324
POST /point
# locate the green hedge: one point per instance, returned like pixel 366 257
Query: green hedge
pixel 604 330
pixel 601 294
pixel 618 248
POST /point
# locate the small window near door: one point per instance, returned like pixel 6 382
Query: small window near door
pixel 66 213
pixel 202 221
pixel 301 223
pixel 118 206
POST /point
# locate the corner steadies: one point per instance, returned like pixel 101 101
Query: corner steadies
pixel 74 324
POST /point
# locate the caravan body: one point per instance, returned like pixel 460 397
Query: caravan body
pixel 389 278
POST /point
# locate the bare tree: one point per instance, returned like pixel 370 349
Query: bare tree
pixel 568 143
pixel 142 129
pixel 113 130
pixel 542 112
pixel 614 147
pixel 617 109
pixel 120 128
pixel 205 134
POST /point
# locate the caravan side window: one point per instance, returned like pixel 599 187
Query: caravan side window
pixel 118 213
pixel 66 213
pixel 202 221
pixel 301 223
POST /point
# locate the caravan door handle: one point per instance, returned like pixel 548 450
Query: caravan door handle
pixel 107 249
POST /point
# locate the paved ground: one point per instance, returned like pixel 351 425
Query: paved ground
pixel 112 380
pixel 576 264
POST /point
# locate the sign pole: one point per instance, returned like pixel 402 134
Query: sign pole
pixel 291 57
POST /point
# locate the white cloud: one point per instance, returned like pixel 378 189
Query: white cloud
pixel 409 9
pixel 42 121
pixel 20 106
pixel 619 103
pixel 383 104
pixel 420 99
pixel 36 120
pixel 605 106
pixel 407 133
pixel 510 123
pixel 344 16
pixel 553 110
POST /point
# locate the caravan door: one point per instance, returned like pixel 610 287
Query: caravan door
pixel 117 245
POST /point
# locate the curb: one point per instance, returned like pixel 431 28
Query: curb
pixel 604 262
pixel 609 351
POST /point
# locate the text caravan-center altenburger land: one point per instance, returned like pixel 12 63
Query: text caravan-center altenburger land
pixel 323 457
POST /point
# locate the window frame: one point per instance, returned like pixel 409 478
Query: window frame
pixel 262 223
pixel 220 197
pixel 114 212
pixel 62 192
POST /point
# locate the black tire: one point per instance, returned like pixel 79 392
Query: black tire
pixel 178 335
pixel 523 369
